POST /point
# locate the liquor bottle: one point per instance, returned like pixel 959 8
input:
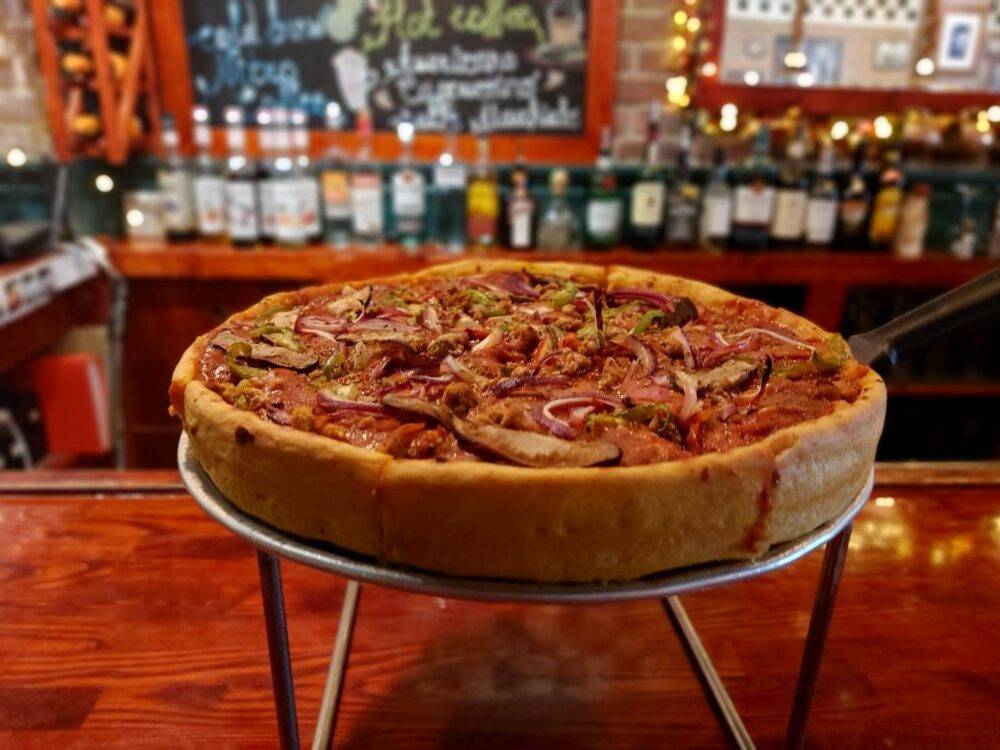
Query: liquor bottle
pixel 753 198
pixel 791 197
pixel 717 207
pixel 887 203
pixel 408 193
pixel 285 181
pixel 994 248
pixel 558 228
pixel 648 192
pixel 335 179
pixel 242 200
pixel 366 187
pixel 604 207
pixel 912 226
pixel 308 181
pixel 852 218
pixel 209 187
pixel 966 235
pixel 683 198
pixel 173 179
pixel 520 211
pixel 821 211
pixel 267 173
pixel 450 180
pixel 483 204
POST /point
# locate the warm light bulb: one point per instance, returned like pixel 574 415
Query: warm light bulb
pixel 982 123
pixel 924 66
pixel 693 25
pixel 709 69
pixel 104 183
pixel 676 85
pixel 16 157
pixel 883 128
pixel 795 59
pixel 679 43
pixel 751 78
pixel 805 79
pixel 446 159
pixel 729 111
pixel 134 217
pixel 405 131
pixel 727 124
pixel 680 18
pixel 683 101
pixel 839 130
pixel 993 113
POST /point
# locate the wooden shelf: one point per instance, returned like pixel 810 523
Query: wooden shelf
pixel 218 261
pixel 950 388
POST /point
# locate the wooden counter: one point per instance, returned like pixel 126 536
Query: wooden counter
pixel 129 619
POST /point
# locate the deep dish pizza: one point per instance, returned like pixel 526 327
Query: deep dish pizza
pixel 543 421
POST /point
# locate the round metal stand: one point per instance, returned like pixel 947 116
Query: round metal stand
pixel 272 543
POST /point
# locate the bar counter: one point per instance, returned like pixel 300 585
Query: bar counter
pixel 129 619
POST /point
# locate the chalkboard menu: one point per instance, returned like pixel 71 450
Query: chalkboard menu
pixel 499 66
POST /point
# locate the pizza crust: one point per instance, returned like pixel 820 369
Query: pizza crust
pixel 495 520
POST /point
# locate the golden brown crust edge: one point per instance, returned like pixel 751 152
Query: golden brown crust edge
pixel 538 524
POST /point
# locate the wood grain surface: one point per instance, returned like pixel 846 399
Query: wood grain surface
pixel 136 623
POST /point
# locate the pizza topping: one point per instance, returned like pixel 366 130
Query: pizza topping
pixel 498 365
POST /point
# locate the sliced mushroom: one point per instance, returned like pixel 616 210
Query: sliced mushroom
pixel 225 339
pixel 381 337
pixel 532 449
pixel 285 318
pixel 684 312
pixel 419 407
pixel 350 302
pixel 282 357
pixel 729 374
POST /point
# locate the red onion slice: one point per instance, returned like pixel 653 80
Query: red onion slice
pixel 680 338
pixel 690 386
pixel 461 370
pixel 328 402
pixel 491 339
pixel 644 354
pixel 315 323
pixel 544 414
pixel 764 377
pixel 519 284
pixel 556 426
pixel 446 378
pixel 660 301
pixel 505 386
pixel 429 318
pixel 774 334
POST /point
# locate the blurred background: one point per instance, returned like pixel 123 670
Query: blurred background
pixel 167 164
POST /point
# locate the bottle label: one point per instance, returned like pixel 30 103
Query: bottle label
pixel 520 216
pixel 268 218
pixel 754 204
pixel 483 206
pixel 336 194
pixel 309 206
pixel 210 202
pixel 241 210
pixel 885 215
pixel 178 203
pixel 789 215
pixel 647 204
pixel 821 220
pixel 454 176
pixel 681 220
pixel 852 215
pixel 288 226
pixel 366 204
pixel 909 240
pixel 716 215
pixel 604 217
pixel 408 193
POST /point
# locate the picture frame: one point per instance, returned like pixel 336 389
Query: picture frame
pixel 891 54
pixel 958 41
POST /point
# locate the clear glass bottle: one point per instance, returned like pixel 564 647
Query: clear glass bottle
pixel 335 179
pixel 483 206
pixel 450 180
pixel 912 226
pixel 604 206
pixel 409 193
pixel 649 192
pixel 558 228
pixel 821 211
pixel 209 187
pixel 266 173
pixel 310 213
pixel 965 238
pixel 242 198
pixel 289 230
pixel 753 197
pixel 717 207
pixel 521 210
pixel 367 218
pixel 791 197
pixel 174 180
pixel 683 198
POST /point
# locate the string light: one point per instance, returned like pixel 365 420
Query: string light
pixel 839 130
pixel 729 111
pixel 709 69
pixel 805 79
pixel 924 67
pixel 683 101
pixel 679 43
pixel 680 18
pixel 883 128
pixel 16 157
pixel 677 85
pixel 134 217
pixel 993 113
pixel 693 25
pixel 795 59
pixel 404 131
pixel 728 125
pixel 104 183
pixel 983 122
pixel 751 78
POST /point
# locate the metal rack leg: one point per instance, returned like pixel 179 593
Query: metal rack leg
pixel 277 648
pixel 335 676
pixel 819 627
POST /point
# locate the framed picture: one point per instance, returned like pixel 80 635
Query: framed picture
pixel 891 54
pixel 824 56
pixel 958 41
